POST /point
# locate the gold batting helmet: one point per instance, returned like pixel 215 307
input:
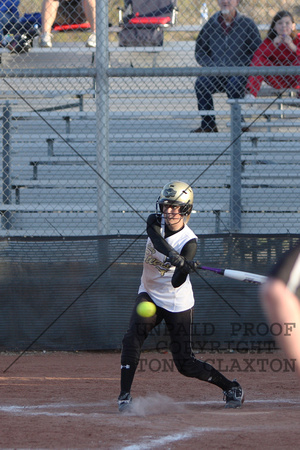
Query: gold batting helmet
pixel 176 193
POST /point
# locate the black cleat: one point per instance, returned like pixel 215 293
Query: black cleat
pixel 234 396
pixel 124 402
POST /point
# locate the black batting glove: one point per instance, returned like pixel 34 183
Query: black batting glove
pixel 176 259
pixel 181 263
pixel 193 265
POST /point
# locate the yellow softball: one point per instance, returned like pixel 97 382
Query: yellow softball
pixel 146 309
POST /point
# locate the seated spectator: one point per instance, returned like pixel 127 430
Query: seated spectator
pixel 49 12
pixel 280 299
pixel 280 48
pixel 228 39
pixel 9 14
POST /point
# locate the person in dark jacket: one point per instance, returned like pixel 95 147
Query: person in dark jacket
pixel 228 39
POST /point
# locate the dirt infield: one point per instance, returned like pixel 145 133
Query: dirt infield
pixel 68 401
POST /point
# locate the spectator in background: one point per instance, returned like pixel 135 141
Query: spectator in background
pixel 49 12
pixel 280 48
pixel 280 299
pixel 228 39
pixel 9 14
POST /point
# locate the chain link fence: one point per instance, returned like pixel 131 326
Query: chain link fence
pixel 91 134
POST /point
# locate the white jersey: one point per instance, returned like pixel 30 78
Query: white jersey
pixel 157 275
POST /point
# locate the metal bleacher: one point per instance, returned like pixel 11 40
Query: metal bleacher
pixel 63 187
pixel 55 177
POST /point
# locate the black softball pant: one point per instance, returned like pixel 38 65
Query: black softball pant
pixel 179 325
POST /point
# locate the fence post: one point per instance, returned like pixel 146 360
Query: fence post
pixel 236 169
pixel 6 181
pixel 102 108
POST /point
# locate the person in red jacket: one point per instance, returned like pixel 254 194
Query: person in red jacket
pixel 280 48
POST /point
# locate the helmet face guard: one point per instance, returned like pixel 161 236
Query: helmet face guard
pixel 176 193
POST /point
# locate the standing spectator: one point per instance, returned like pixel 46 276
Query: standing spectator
pixel 49 12
pixel 9 14
pixel 280 48
pixel 228 39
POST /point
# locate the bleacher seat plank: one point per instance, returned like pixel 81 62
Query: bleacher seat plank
pixel 150 141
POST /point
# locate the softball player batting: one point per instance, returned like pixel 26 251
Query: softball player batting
pixel 165 281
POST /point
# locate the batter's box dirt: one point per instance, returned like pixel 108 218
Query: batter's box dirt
pixel 69 400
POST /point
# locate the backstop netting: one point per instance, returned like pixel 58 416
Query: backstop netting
pixel 78 294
